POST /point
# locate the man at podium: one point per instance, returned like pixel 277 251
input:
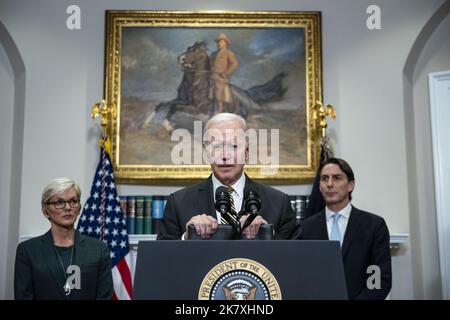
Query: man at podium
pixel 195 205
pixel 364 236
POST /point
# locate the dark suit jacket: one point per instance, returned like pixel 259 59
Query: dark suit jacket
pixel 366 242
pixel 199 199
pixel 38 273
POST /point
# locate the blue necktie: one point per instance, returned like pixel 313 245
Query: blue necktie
pixel 335 232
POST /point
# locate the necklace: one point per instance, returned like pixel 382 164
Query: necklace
pixel 66 286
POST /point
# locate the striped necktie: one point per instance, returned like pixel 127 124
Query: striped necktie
pixel 233 207
pixel 232 214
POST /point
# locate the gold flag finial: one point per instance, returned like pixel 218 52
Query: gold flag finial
pixel 321 112
pixel 103 110
pixel 107 113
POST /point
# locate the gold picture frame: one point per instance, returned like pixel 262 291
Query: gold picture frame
pixel 143 81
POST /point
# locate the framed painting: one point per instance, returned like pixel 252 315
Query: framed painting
pixel 160 72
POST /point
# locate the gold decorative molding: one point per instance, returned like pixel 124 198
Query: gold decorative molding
pixel 295 172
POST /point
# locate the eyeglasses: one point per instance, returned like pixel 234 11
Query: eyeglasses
pixel 59 204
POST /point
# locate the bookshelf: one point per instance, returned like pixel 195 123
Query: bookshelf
pixel 143 213
pixel 134 239
pixel 397 239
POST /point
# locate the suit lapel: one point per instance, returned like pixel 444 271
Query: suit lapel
pixel 205 198
pixel 79 260
pixel 351 231
pixel 251 185
pixel 80 250
pixel 321 229
pixel 53 264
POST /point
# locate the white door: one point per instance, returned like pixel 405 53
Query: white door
pixel 439 85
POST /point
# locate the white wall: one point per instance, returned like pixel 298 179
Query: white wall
pixel 362 72
pixel 435 57
pixel 6 128
pixel 12 92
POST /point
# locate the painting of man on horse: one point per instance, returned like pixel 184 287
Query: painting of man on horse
pixel 258 74
pixel 205 88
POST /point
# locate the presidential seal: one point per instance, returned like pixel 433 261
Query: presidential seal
pixel 239 279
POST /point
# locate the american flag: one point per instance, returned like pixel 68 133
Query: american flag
pixel 102 218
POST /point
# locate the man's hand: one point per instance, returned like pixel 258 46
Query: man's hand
pixel 220 77
pixel 252 230
pixel 205 226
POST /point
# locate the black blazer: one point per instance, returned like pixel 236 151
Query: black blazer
pixel 366 242
pixel 38 273
pixel 199 199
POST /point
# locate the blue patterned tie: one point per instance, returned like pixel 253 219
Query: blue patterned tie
pixel 335 232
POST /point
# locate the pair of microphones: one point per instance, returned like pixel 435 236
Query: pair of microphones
pixel 252 205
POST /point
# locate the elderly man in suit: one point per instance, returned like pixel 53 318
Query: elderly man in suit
pixel 194 205
pixel 364 236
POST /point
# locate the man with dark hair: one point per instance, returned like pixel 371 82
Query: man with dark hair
pixel 345 167
pixel 364 236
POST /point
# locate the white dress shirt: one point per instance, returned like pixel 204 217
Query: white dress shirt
pixel 343 221
pixel 237 194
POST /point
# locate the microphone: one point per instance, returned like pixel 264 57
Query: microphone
pixel 223 205
pixel 252 206
pixel 252 202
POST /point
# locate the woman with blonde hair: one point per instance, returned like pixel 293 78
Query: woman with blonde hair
pixel 62 263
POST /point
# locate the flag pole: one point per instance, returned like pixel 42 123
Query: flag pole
pixel 320 114
pixel 102 216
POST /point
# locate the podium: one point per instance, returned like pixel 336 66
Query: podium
pixel 239 269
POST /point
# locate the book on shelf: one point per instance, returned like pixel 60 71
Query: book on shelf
pixel 147 215
pixel 131 214
pixel 158 205
pixel 139 220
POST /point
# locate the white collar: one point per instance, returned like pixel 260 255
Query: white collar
pixel 345 212
pixel 238 186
